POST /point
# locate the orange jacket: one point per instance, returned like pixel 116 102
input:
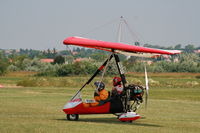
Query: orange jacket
pixel 103 95
pixel 100 99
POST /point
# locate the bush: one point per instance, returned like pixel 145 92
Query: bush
pixel 51 81
pixel 65 70
pixel 3 67
pixel 12 68
pixel 78 68
pixel 198 77
pixel 49 70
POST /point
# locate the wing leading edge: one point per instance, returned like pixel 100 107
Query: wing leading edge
pixel 109 46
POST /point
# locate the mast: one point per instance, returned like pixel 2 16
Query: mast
pixel 119 36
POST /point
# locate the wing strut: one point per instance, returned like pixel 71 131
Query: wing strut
pixel 126 96
pixel 120 70
pixel 94 75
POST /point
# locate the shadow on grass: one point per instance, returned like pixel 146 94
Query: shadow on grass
pixel 111 121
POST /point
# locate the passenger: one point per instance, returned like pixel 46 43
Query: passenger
pixel 117 87
pixel 100 95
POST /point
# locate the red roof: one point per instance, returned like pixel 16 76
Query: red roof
pixel 80 59
pixel 47 60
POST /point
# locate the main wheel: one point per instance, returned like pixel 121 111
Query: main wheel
pixel 130 121
pixel 72 117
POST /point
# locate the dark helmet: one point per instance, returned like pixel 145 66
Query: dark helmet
pixel 117 81
pixel 99 85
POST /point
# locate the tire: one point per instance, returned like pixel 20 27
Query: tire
pixel 130 121
pixel 72 117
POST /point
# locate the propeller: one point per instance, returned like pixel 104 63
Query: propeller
pixel 146 86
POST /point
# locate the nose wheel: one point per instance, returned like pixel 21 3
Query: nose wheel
pixel 72 117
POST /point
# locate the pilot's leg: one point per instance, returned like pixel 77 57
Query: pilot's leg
pixel 94 104
pixel 86 105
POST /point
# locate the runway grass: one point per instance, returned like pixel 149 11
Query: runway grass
pixel 171 109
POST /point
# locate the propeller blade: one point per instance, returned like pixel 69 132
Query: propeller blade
pixel 146 86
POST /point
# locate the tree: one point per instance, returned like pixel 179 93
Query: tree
pixel 59 60
pixel 98 56
pixel 189 48
pixel 65 52
pixel 3 67
pixel 18 61
pixel 3 64
pixel 137 44
pixel 54 51
pixel 69 59
pixel 178 47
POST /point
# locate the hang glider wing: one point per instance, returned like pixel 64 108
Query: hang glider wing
pixel 120 47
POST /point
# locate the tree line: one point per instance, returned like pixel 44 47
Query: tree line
pixel 65 61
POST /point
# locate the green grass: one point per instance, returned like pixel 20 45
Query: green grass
pixel 171 109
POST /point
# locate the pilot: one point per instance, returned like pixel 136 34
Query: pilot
pixel 117 86
pixel 100 95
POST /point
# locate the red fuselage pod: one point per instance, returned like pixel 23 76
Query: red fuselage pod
pixel 78 108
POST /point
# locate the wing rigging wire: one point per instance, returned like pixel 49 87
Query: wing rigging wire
pixel 123 21
pixel 133 35
pixel 99 27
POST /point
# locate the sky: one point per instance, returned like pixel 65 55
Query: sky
pixel 44 24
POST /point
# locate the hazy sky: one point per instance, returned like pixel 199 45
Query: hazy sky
pixel 43 24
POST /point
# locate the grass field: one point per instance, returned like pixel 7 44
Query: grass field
pixel 174 107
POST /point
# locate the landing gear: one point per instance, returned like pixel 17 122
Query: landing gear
pixel 129 117
pixel 72 117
